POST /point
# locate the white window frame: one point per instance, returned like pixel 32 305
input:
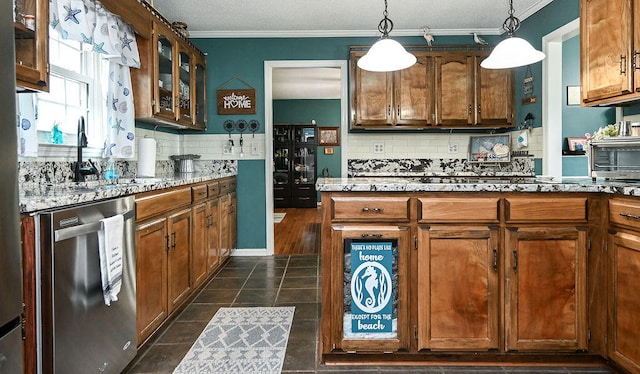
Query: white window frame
pixel 95 68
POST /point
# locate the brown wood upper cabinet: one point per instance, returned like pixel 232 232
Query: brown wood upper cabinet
pixel 609 51
pixel 444 89
pixel 467 94
pixel 32 46
pixel 170 84
pixel 394 100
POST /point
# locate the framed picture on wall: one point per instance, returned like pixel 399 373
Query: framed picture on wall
pixel 577 144
pixel 328 136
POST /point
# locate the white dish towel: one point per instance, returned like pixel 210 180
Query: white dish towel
pixel 110 247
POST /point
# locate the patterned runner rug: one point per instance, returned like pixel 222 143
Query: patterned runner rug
pixel 241 340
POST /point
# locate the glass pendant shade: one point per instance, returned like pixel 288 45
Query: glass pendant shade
pixel 386 55
pixel 512 52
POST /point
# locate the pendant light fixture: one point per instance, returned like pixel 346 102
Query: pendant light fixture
pixel 513 51
pixel 386 54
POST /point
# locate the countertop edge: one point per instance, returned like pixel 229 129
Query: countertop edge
pixel 35 199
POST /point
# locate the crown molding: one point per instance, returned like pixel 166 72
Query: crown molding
pixel 335 33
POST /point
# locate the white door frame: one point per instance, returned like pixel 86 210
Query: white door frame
pixel 268 128
pixel 552 97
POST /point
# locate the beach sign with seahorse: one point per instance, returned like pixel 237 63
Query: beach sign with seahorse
pixel 371 287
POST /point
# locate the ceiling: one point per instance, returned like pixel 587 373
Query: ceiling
pixel 336 18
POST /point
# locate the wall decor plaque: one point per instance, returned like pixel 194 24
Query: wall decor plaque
pixel 236 101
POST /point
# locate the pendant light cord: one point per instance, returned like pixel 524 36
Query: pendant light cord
pixel 386 25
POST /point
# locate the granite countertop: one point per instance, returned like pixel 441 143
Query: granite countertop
pixel 478 184
pixel 37 197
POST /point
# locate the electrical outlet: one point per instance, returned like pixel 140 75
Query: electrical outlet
pixel 378 148
pixel 227 149
pixel 453 147
pixel 255 150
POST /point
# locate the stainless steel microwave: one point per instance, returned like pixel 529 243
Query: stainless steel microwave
pixel 615 158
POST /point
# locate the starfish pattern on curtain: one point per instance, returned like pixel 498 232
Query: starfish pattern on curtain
pixel 88 21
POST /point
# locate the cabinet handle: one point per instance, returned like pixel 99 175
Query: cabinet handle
pixel 167 238
pixel 173 236
pixel 398 110
pixel 379 210
pixel 635 60
pixel 623 63
pixel 495 259
pixel 371 235
pixel 389 110
pixel 209 220
pixel 515 261
pixel 479 109
pixel 629 215
pixel 469 109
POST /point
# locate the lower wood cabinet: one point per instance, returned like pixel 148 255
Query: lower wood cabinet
pixel 179 236
pixel 458 298
pixel 213 234
pixel 200 244
pixel 546 293
pixel 480 276
pixel 624 301
pixel 369 302
pixel 162 268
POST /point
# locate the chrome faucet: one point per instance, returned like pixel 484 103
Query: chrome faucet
pixel 79 171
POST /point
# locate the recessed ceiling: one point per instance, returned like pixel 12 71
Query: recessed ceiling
pixel 290 18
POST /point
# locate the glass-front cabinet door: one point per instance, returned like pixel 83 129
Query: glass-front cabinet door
pixel 281 167
pixel 199 96
pixel 305 158
pixel 164 98
pixel 31 27
pixel 184 88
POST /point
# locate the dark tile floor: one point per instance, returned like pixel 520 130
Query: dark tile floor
pixel 278 281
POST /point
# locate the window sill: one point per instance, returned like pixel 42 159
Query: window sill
pixel 67 151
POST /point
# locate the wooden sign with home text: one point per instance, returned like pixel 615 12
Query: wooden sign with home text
pixel 239 101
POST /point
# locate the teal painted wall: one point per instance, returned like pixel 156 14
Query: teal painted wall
pixel 326 113
pixel 244 58
pixel 544 21
pixel 577 120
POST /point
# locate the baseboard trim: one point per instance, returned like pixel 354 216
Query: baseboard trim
pixel 240 252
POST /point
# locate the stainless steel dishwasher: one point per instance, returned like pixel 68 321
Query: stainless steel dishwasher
pixel 77 331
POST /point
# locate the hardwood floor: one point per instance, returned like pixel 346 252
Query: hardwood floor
pixel 298 233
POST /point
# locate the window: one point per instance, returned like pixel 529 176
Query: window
pixel 78 87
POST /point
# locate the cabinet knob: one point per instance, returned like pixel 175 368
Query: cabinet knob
pixel 379 210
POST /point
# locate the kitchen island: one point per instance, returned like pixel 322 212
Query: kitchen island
pixel 449 270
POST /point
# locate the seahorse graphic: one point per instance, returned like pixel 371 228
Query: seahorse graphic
pixel 370 284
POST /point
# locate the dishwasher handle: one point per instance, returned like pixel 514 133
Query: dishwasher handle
pixel 87 228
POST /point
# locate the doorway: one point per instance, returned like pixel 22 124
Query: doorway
pixel 552 97
pixel 271 68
